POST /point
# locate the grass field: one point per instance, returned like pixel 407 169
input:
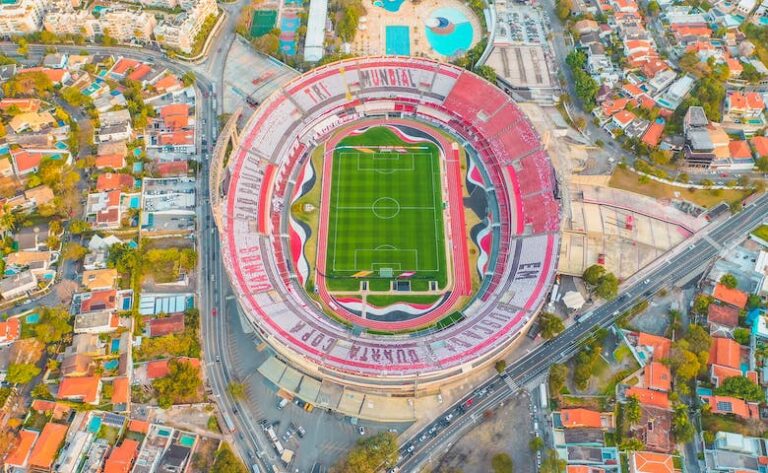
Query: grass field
pixel 385 211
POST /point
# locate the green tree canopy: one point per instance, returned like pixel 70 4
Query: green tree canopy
pixel 682 428
pixel 608 287
pixel 729 280
pixel 227 462
pixel 21 373
pixel 371 454
pixel 551 325
pixel 558 375
pixel 632 410
pixel 53 324
pixel 73 251
pixel 502 463
pixel 593 274
pixel 742 388
pixel 181 385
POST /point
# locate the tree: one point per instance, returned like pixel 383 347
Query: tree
pixel 78 227
pixel 227 462
pixel 21 373
pixel 632 445
pixel 180 385
pixel 742 388
pixel 557 376
pixel 41 391
pixel 632 410
pixel 682 428
pixel 750 73
pixel 188 78
pixel 698 339
pixel 593 274
pixel 741 335
pixel 653 8
pixel 371 454
pixel 551 325
pixel 501 366
pixel 486 72
pixel 729 280
pixel 608 287
pixel 762 164
pixel 551 463
pixel 563 9
pixel 701 304
pixel 236 390
pixel 502 463
pixel 536 444
pixel 73 251
pixel 53 325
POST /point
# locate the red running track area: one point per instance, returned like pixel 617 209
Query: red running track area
pixel 462 280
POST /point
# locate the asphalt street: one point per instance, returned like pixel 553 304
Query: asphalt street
pixel 691 257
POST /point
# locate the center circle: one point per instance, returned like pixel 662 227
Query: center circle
pixel 385 207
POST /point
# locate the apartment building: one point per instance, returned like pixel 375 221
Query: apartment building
pixel 19 17
pixel 180 32
pixel 122 24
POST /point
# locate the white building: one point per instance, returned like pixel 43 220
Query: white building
pixel 19 17
pixel 315 40
pixel 180 32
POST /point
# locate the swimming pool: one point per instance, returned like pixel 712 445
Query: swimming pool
pixel 111 364
pixel 187 440
pixel 389 5
pixel 115 345
pixel 32 318
pixel 448 31
pixel 94 425
pixel 398 40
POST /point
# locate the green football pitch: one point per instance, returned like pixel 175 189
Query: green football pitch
pixel 385 211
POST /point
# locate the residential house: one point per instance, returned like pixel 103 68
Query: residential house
pixel 86 389
pixel 121 458
pixel 733 297
pixel 99 279
pixel 104 321
pixel 46 448
pixel 10 331
pixel 165 325
pixel 727 405
pixel 17 285
pixel 19 455
pixel 651 462
pixel 722 319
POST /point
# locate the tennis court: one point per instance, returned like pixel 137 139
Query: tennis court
pixel 398 40
pixel 386 214
pixel 263 22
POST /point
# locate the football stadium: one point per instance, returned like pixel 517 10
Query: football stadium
pixel 389 223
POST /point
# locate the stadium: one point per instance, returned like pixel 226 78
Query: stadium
pixel 389 223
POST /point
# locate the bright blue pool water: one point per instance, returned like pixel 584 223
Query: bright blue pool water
pixel 32 318
pixel 187 440
pixel 454 33
pixel 398 40
pixel 94 425
pixel 763 21
pixel 135 202
pixel 389 5
pixel 115 345
pixel 163 432
pixel 703 391
pixel 111 364
pixel 138 166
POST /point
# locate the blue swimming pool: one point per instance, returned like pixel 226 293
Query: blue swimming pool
pixel 94 425
pixel 32 318
pixel 289 23
pixel 398 40
pixel 389 5
pixel 115 345
pixel 111 364
pixel 449 31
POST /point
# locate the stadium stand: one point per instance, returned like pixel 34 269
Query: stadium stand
pixel 318 104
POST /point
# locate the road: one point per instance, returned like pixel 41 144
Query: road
pixel 436 438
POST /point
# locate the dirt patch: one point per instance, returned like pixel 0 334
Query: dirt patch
pixel 628 180
pixel 508 429
pixel 205 453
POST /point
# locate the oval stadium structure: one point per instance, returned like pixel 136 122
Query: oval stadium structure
pixel 389 223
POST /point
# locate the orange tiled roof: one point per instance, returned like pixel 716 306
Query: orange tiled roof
pixel 649 397
pixel 682 30
pixel 657 376
pixel 20 454
pixel 173 168
pixel 661 346
pixel 10 329
pixel 732 405
pixel 651 462
pixel 652 135
pixel 739 149
pixel 725 352
pixel 734 297
pixel 121 390
pixel 26 160
pixel 114 180
pixel 721 373
pixel 632 90
pixel 168 82
pixel 139 426
pixel 44 451
pixel 99 300
pixel 760 143
pixel 177 138
pixel 24 105
pixel 140 72
pixel 85 388
pixel 55 75
pixel 41 405
pixel 114 161
pixel 734 66
pixel 724 315
pixel 624 117
pixel 755 101
pixel 610 107
pixel 121 458
pixel 580 418
pixel 123 65
pixel 583 469
pixel 160 368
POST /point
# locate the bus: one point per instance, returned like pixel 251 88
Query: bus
pixel 543 396
pixel 228 422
